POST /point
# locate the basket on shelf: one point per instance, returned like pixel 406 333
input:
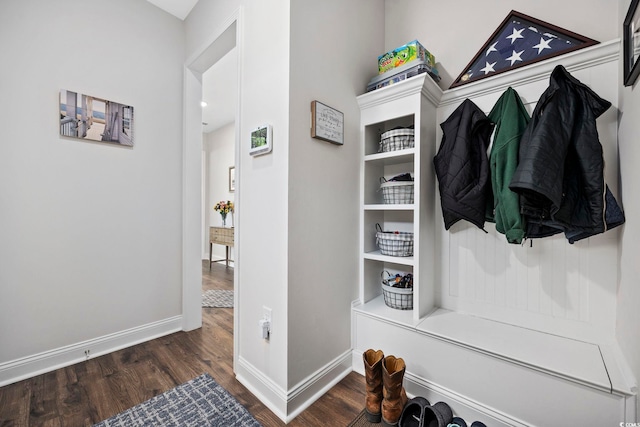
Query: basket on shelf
pixel 397 139
pixel 398 296
pixel 398 190
pixel 394 243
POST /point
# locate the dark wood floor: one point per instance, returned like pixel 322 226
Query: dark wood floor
pixel 88 392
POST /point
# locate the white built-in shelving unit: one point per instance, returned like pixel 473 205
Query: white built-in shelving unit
pixel 494 326
pixel 411 104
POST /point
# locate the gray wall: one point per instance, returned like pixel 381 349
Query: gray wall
pixel 324 179
pixel 90 233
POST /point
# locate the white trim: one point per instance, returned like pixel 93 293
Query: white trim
pixel 268 392
pixel 307 391
pixel 30 366
pixel 192 204
pixel 238 15
pixel 466 408
pixel 287 405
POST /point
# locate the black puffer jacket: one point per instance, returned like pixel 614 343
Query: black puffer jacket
pixel 560 176
pixel 462 166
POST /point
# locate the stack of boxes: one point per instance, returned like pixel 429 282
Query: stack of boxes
pixel 399 64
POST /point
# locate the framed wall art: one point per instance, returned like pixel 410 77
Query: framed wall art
pixel 327 123
pixel 96 119
pixel 520 40
pixel 631 44
pixel 232 179
pixel 260 140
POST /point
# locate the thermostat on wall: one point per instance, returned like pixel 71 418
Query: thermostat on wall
pixel 260 141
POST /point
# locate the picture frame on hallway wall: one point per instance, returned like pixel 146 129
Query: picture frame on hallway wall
pixel 232 179
pixel 631 44
pixel 95 119
pixel 520 40
pixel 260 141
pixel 327 123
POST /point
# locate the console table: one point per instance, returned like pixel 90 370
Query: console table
pixel 220 236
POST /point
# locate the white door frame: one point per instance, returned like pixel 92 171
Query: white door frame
pixel 228 34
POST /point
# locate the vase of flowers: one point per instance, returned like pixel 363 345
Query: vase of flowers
pixel 224 207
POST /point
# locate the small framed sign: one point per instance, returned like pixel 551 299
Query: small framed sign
pixel 327 123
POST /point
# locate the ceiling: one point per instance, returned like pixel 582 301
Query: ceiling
pixel 219 83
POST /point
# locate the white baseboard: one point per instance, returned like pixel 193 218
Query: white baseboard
pixel 289 404
pixel 307 391
pixel 47 361
pixel 466 408
pixel 268 392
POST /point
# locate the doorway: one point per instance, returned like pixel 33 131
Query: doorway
pixel 222 53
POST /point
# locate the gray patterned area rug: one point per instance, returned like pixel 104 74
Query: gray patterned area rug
pixel 217 298
pixel 200 402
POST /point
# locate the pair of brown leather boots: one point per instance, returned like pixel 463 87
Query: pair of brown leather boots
pixel 385 397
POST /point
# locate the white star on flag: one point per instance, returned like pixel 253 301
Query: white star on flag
pixel 515 57
pixel 544 44
pixel 492 49
pixel 488 68
pixel 517 34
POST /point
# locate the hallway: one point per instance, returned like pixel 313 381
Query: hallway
pixel 88 392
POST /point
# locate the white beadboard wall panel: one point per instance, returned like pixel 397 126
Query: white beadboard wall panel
pixel 545 284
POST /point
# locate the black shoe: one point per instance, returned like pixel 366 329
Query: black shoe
pixel 413 412
pixel 438 415
pixel 457 422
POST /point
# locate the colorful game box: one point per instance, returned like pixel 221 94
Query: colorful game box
pixel 404 54
pixel 401 73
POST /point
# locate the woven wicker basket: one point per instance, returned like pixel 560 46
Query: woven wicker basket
pixel 397 192
pixel 396 243
pixel 397 139
pixel 398 298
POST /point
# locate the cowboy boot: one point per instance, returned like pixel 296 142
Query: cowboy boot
pixel 394 396
pixel 373 374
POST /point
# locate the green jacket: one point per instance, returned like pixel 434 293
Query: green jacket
pixel 511 119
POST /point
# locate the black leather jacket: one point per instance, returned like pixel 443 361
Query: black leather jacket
pixel 462 166
pixel 560 176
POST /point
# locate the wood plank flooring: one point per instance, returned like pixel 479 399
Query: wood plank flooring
pixel 88 392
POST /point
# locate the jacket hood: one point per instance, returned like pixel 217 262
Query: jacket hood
pixel 560 77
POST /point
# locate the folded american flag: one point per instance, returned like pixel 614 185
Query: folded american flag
pixel 519 41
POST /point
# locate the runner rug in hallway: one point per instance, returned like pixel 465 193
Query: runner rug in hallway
pixel 217 298
pixel 198 403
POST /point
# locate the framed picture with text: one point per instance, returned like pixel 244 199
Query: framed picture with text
pixel 327 123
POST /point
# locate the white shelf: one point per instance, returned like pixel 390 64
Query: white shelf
pixel 411 103
pixel 389 207
pixel 392 157
pixel 378 309
pixel 401 260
